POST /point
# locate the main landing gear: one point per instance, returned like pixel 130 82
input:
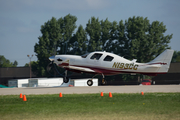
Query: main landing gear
pixel 90 81
pixel 103 81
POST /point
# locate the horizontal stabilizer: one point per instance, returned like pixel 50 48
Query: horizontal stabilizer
pixel 154 66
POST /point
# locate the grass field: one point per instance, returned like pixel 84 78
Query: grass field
pixel 164 106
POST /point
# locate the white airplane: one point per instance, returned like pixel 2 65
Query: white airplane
pixel 105 63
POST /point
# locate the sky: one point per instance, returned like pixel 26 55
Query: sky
pixel 21 20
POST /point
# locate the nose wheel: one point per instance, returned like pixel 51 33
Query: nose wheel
pixel 65 79
pixel 89 82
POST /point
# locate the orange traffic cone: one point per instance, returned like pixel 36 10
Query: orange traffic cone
pixel 20 96
pixel 142 93
pixel 110 95
pixel 24 98
pixel 102 94
pixel 60 95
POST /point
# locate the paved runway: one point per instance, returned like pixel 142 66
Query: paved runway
pixel 98 89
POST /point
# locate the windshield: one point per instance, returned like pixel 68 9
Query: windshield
pixel 96 56
pixel 85 55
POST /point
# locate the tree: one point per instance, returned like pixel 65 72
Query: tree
pixel 118 38
pixel 15 63
pixel 144 41
pixel 54 40
pixel 68 27
pixel 93 30
pixel 78 42
pixel 105 33
pixel 6 63
pixel 176 56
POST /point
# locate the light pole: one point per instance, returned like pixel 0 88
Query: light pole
pixel 30 63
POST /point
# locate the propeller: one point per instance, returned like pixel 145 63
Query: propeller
pixel 52 66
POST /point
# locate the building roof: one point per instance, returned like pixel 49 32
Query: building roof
pixel 15 72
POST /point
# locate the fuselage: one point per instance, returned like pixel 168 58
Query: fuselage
pixel 105 63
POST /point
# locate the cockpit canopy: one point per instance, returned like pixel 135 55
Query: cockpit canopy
pixel 97 56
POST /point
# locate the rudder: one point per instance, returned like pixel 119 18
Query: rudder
pixel 164 59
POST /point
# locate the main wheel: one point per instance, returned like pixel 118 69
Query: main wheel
pixel 89 82
pixel 65 79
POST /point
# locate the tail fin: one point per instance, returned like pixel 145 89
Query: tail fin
pixel 164 60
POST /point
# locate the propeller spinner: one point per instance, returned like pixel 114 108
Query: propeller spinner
pixel 52 58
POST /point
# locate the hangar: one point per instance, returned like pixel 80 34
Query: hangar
pixel 14 73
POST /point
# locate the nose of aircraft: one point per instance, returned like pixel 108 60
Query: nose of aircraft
pixel 52 58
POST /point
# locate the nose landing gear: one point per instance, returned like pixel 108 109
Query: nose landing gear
pixel 65 78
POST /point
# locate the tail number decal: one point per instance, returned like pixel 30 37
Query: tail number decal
pixel 125 66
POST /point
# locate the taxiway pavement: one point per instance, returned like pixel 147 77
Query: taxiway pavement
pixel 97 89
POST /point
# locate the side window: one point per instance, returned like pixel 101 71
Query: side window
pixel 96 56
pixel 108 58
